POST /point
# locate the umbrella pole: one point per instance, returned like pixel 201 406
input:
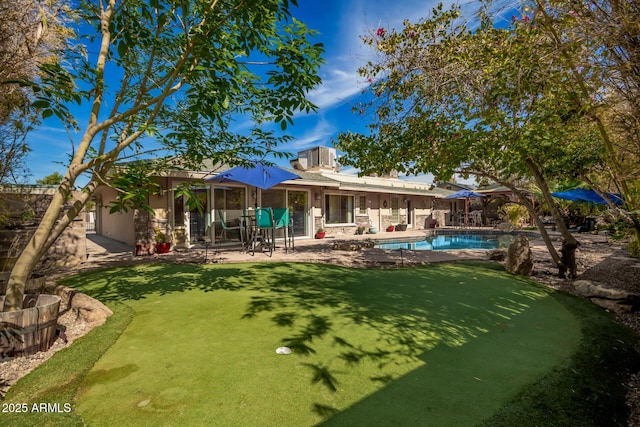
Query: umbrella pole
pixel 255 205
pixel 466 212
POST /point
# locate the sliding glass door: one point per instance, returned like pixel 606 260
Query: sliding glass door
pixel 299 206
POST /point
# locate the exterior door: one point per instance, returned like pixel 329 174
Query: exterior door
pixel 298 202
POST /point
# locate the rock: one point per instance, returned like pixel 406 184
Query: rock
pixel 352 246
pixel 498 255
pixel 345 246
pixel 616 300
pixel 92 311
pixel 618 307
pixel 519 257
pixel 367 244
pixel 504 226
pixel 589 288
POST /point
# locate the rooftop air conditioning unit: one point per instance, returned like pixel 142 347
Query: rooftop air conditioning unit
pixel 324 157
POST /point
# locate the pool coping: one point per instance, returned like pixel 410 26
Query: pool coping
pixel 451 232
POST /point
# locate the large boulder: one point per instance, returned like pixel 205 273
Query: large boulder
pixel 519 257
pixel 616 300
pixel 498 255
pixel 90 310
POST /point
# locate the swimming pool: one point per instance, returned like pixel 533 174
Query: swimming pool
pixel 452 242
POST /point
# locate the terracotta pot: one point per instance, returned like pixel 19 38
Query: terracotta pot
pixel 390 228
pixel 320 234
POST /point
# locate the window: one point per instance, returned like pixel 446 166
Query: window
pixel 178 209
pixel 273 199
pixel 339 209
pixel 363 205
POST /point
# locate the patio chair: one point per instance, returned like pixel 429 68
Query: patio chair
pixel 225 227
pixel 282 221
pixel 264 231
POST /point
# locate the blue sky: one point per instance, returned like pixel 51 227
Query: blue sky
pixel 340 23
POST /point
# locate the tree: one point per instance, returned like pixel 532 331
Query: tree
pixel 607 32
pixel 53 179
pixel 494 102
pixel 181 72
pixel 31 33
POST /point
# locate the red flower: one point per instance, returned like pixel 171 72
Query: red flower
pixel 380 32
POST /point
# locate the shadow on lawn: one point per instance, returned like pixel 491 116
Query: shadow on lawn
pixel 417 320
pixel 138 282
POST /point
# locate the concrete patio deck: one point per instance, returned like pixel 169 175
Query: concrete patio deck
pixel 103 251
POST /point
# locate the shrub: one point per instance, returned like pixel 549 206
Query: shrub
pixel 634 248
pixel 517 215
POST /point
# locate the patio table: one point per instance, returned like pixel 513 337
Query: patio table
pixel 262 231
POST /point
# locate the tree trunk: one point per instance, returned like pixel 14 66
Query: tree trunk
pixel 32 253
pixel 49 229
pixel 555 258
pixel 568 259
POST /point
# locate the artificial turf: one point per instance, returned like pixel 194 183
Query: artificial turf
pixel 439 345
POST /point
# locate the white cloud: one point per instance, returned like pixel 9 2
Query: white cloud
pixel 338 87
pixel 320 134
pixel 340 78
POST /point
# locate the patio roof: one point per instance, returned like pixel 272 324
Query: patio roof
pixel 388 185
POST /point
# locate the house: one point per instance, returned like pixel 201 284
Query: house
pixel 322 197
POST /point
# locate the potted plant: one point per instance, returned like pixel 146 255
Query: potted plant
pixel 162 246
pixel 320 233
pixel 361 229
pixel 390 228
pixel 402 226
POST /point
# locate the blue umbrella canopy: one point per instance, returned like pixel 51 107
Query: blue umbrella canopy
pixel 464 194
pixel 259 175
pixel 583 195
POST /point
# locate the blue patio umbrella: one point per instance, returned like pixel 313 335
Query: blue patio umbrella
pixel 583 195
pixel 258 174
pixel 465 194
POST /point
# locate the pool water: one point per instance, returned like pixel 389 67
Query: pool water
pixel 452 242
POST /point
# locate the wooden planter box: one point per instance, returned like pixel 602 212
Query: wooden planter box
pixel 31 329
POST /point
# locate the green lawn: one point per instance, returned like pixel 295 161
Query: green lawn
pixel 455 344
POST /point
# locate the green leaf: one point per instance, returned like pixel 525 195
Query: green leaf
pixel 122 49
